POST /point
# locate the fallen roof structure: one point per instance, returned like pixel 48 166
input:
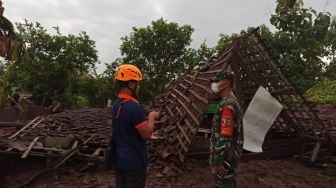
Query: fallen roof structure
pixel 247 56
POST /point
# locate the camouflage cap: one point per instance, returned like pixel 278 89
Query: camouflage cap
pixel 223 75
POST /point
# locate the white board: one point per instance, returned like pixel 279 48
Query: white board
pixel 258 118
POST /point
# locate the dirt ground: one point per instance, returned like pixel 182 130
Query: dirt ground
pixel 257 173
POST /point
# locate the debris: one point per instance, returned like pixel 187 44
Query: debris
pixel 59 142
pixel 58 162
pixel 25 127
pixel 25 154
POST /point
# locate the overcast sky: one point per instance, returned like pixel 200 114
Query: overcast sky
pixel 106 21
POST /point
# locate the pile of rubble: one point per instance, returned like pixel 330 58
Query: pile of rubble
pixel 54 135
pixel 327 112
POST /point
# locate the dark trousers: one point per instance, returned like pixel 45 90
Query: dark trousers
pixel 228 181
pixel 131 179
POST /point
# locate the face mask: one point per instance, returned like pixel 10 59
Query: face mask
pixel 136 91
pixel 133 90
pixel 215 87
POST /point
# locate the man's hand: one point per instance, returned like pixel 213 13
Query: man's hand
pixel 146 132
pixel 154 114
pixel 220 169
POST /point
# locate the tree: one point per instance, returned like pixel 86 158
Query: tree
pixel 195 56
pixel 330 72
pixel 224 41
pixel 95 90
pixel 3 84
pixel 54 63
pixel 330 69
pixel 159 50
pixel 301 40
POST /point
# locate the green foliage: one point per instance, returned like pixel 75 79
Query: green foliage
pixel 330 71
pixel 53 63
pixel 195 56
pixel 94 91
pixel 160 51
pixel 204 52
pixel 301 40
pixel 323 92
pixel 303 37
pixel 2 85
pixel 224 41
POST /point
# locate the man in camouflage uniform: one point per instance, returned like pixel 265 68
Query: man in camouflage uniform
pixel 226 142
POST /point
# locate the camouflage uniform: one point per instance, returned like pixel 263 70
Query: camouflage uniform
pixel 226 150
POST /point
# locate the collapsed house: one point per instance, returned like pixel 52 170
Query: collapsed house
pixel 182 109
pixel 247 56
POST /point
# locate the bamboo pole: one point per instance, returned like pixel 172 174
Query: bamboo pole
pixel 25 154
pixel 23 128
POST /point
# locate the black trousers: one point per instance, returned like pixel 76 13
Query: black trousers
pixel 228 181
pixel 131 179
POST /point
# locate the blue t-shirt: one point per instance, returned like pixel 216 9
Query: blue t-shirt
pixel 130 148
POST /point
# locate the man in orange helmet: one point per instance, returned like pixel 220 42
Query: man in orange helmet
pixel 131 128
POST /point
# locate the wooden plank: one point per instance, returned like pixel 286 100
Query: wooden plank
pixel 179 111
pixel 25 154
pixel 198 85
pixel 38 122
pixel 74 144
pixel 180 154
pixel 186 136
pixel 189 112
pixel 199 97
pixel 202 79
pixel 211 72
pixel 191 128
pixel 73 151
pixel 183 86
pixel 97 152
pixel 174 96
pixel 315 151
pixel 185 148
pixel 170 112
pixel 171 101
pixel 25 127
pixel 197 109
pixel 182 95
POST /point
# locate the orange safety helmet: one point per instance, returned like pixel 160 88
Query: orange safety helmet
pixel 128 72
